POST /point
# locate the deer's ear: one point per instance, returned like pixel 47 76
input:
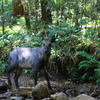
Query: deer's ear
pixel 53 39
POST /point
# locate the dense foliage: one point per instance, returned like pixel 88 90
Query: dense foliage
pixel 76 26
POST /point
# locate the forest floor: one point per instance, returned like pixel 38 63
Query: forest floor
pixel 26 83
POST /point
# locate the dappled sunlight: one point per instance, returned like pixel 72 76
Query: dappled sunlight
pixel 75 55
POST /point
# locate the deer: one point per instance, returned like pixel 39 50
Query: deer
pixel 35 58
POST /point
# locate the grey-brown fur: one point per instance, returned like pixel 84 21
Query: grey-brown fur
pixel 34 58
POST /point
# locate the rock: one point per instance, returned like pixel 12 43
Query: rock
pixel 13 98
pixel 40 90
pixel 72 98
pixel 24 95
pixel 59 96
pixel 2 96
pixel 96 92
pixel 17 98
pixel 8 94
pixel 84 97
pixel 71 92
pixel 46 99
pixel 98 97
pixel 68 92
pixel 3 86
pixel 83 90
pixel 70 85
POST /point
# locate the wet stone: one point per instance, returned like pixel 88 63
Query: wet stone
pixel 40 91
pixel 59 96
pixel 17 98
pixel 3 87
pixel 85 97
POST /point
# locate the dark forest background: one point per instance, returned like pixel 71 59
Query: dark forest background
pixel 74 23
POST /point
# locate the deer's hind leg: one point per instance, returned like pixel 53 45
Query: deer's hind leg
pixel 17 74
pixel 9 70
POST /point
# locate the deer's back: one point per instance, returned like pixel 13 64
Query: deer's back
pixel 26 57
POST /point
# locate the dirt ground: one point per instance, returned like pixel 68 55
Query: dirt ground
pixel 26 84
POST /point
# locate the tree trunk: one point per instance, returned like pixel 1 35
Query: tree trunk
pixel 2 18
pixel 99 32
pixel 27 20
pixel 20 8
pixel 98 6
pixel 6 1
pixel 46 13
pixel 26 13
pixel 36 15
pixel 17 9
pixel 76 18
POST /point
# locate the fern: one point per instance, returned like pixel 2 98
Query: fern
pixel 84 54
pixel 84 64
pixel 97 75
pixel 92 62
